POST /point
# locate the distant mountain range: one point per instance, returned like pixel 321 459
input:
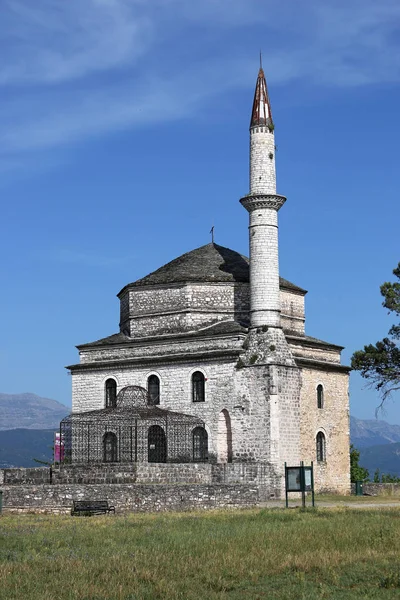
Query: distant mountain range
pixel 372 432
pixel 29 411
pixel 385 457
pixel 19 447
pixel 28 422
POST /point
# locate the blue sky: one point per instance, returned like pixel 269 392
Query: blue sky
pixel 124 137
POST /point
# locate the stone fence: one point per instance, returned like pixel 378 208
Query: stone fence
pixel 146 473
pixel 380 489
pixel 129 497
pixel 139 486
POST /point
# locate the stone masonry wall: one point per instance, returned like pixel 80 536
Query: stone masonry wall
pixel 178 308
pixel 130 497
pixel 25 476
pixel 164 349
pixel 380 489
pixel 264 279
pixel 119 473
pixel 175 391
pixel 292 312
pixel 333 421
pixel 262 161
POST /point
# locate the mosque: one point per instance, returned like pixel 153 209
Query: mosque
pixel 211 362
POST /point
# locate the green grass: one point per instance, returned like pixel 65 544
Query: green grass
pixel 259 554
pixel 335 499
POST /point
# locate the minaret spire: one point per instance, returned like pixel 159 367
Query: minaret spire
pixel 263 204
pixel 261 113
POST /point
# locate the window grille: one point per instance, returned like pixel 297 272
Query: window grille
pixel 127 432
pixel 321 447
pixel 110 447
pixel 320 396
pixel 153 386
pixel 111 393
pixel 200 444
pixel 198 387
pixel 157 444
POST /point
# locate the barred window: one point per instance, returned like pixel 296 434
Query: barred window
pixel 153 387
pixel 200 444
pixel 321 447
pixel 110 447
pixel 198 390
pixel 157 444
pixel 111 393
pixel 320 396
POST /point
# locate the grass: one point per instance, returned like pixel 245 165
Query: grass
pixel 335 499
pixel 256 554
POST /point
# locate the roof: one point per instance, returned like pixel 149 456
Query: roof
pixel 125 413
pixel 261 111
pixel 313 341
pixel 209 264
pixel 224 327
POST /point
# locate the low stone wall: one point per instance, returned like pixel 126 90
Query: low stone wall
pixel 129 497
pixel 381 489
pixel 166 473
pixel 261 474
pixel 30 476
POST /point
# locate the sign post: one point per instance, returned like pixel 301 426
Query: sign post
pixel 299 479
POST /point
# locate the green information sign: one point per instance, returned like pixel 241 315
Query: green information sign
pixel 299 479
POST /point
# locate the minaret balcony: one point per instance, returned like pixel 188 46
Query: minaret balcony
pixel 255 201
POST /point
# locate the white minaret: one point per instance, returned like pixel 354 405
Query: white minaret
pixel 263 204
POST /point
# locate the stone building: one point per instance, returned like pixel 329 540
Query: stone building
pixel 220 338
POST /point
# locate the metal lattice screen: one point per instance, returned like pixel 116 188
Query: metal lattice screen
pixel 133 431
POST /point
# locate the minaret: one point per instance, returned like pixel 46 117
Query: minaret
pixel 263 203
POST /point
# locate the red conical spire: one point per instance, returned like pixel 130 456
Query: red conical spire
pixel 261 113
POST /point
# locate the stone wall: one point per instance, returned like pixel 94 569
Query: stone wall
pixel 25 476
pixel 380 489
pixel 143 473
pixel 333 474
pixel 262 161
pixel 178 308
pixel 130 497
pixel 134 473
pixel 292 311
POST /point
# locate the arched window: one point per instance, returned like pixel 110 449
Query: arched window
pixel 198 387
pixel 200 444
pixel 110 447
pixel 157 444
pixel 153 387
pixel 111 393
pixel 321 447
pixel 320 396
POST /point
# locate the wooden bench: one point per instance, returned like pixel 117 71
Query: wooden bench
pixel 91 507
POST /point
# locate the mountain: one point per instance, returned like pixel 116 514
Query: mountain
pixel 372 433
pixel 29 411
pixel 18 447
pixel 385 457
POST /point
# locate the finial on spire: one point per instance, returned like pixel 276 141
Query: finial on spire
pixel 261 113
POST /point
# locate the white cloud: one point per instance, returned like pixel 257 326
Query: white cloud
pixel 72 69
pixel 50 41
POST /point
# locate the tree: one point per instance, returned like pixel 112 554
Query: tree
pixel 380 363
pixel 357 473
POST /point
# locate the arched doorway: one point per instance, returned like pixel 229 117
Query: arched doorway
pixel 110 447
pixel 200 444
pixel 157 444
pixel 224 438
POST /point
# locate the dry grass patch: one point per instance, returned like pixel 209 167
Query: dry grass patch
pixel 274 554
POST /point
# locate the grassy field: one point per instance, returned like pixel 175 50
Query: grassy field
pixel 274 554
